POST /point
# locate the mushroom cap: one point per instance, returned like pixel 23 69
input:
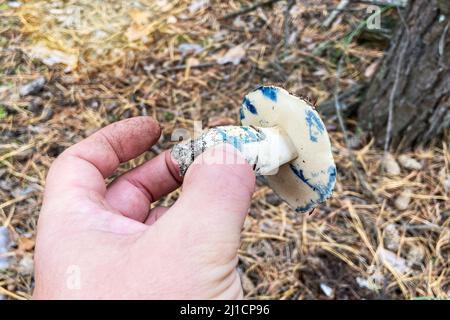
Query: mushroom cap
pixel 310 178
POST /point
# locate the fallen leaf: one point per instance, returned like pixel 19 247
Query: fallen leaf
pixel 391 237
pixel 220 35
pixel 409 163
pixel 447 184
pixel 192 62
pixel 374 282
pixel 262 15
pixel 186 48
pixel 329 292
pixel 139 16
pixel 5 242
pixel 415 255
pixel 403 200
pixel 391 259
pixel 51 57
pixel 137 32
pixel 370 71
pixel 238 23
pixel 293 37
pixel 26 244
pixel 26 265
pixel 390 165
pixel 197 5
pixel 320 72
pixel 172 20
pixel 233 55
pixel 32 87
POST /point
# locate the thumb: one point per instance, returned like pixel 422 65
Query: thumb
pixel 216 195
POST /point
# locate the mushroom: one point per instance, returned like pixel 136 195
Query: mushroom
pixel 283 138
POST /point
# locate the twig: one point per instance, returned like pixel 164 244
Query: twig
pixel 333 15
pixel 393 92
pixel 184 66
pixel 367 190
pixel 287 16
pixel 392 3
pixel 441 48
pixel 431 227
pixel 248 9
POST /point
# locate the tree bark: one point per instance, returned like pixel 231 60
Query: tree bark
pixel 421 97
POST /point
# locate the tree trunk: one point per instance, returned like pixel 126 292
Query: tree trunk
pixel 420 90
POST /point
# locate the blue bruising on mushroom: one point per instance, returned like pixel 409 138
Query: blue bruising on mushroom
pixel 322 190
pixel 238 141
pixel 269 92
pixel 241 114
pixel 250 106
pixel 252 136
pixel 315 125
pixel 326 190
pixel 306 207
pixel 299 173
pixel 234 141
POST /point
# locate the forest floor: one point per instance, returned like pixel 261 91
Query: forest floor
pixel 93 62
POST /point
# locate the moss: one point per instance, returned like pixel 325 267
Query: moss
pixel 169 116
pixel 3 112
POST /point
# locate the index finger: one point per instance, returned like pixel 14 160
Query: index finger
pixel 81 169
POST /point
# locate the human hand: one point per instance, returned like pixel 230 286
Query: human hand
pixel 102 242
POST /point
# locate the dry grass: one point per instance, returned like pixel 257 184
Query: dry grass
pixel 358 247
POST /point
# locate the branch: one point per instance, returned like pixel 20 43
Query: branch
pixel 333 15
pixel 393 3
pixel 248 9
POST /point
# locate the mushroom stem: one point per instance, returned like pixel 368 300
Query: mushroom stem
pixel 265 149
